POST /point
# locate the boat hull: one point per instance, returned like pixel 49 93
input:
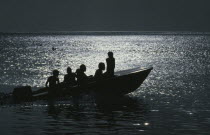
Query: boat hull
pixel 123 83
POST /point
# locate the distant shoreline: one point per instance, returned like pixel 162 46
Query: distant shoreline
pixel 94 33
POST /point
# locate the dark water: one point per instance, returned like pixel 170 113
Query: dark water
pixel 175 98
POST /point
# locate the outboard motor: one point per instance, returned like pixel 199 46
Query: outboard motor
pixel 22 94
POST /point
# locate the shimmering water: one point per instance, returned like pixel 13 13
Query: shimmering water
pixel 175 98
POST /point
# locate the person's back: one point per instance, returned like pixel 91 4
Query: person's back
pixel 70 78
pixel 99 72
pixel 110 64
pixel 82 78
pixel 53 80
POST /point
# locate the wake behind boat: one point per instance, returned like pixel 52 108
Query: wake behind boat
pixel 122 83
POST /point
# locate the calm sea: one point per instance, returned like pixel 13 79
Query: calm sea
pixel 174 99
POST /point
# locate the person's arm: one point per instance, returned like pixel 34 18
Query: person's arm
pixel 64 79
pixel 95 74
pixel 114 63
pixel 58 81
pixel 46 84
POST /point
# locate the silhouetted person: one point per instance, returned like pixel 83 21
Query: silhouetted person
pixel 99 72
pixel 70 78
pixel 110 61
pixel 53 84
pixel 53 80
pixel 82 78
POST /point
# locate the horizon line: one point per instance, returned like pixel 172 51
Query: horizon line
pixel 110 32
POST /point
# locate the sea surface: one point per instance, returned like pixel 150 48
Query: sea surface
pixel 174 99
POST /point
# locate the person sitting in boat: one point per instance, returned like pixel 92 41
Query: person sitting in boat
pixel 82 78
pixel 53 81
pixel 110 61
pixel 99 72
pixel 70 77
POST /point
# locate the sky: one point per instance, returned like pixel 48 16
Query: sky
pixel 104 15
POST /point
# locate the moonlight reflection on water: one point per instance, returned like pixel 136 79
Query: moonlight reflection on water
pixel 173 99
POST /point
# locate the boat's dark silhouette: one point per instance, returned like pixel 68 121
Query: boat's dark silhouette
pixel 22 94
pixel 122 83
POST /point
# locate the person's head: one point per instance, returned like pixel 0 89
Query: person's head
pixel 110 54
pixel 55 72
pixel 101 66
pixel 83 68
pixel 77 71
pixel 69 71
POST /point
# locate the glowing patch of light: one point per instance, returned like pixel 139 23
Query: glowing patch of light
pixel 137 124
pixel 146 124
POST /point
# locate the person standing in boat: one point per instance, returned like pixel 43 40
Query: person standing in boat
pixel 53 81
pixel 99 72
pixel 70 78
pixel 110 61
